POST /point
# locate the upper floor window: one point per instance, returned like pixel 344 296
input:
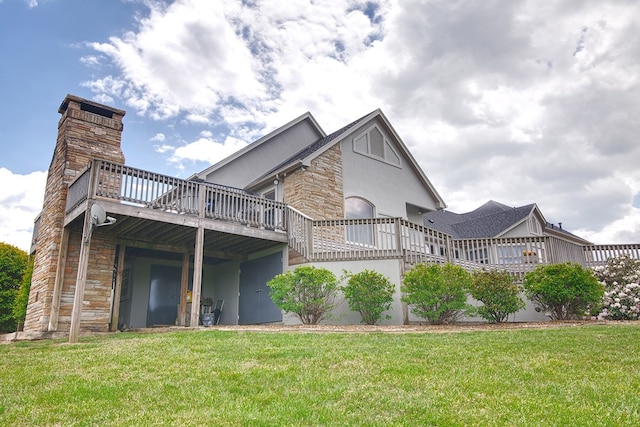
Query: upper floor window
pixel 534 226
pixel 374 144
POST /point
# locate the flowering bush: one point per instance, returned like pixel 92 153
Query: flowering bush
pixel 621 279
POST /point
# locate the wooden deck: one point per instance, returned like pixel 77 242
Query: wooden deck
pixel 163 212
pixel 159 210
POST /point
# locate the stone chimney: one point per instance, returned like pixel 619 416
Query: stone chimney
pixel 87 130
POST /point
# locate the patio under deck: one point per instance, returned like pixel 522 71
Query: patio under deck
pixel 159 212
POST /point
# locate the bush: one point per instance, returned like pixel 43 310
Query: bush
pixel 498 293
pixel 13 263
pixel 309 292
pixel 564 291
pixel 22 297
pixel 370 294
pixel 621 279
pixel 436 293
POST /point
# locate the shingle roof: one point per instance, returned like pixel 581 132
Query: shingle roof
pixel 489 220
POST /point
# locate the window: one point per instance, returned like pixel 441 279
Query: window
pixel 125 288
pixel 373 143
pixel 534 226
pixel 361 231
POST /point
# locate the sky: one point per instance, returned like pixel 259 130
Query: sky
pixel 514 101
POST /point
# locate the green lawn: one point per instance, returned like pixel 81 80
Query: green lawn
pixel 571 376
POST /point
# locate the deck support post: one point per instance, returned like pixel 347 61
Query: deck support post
pixel 81 278
pixel 59 280
pixel 197 259
pixel 115 296
pixel 184 286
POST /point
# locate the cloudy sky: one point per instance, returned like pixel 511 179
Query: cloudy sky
pixel 514 101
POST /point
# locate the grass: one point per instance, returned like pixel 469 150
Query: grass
pixel 579 376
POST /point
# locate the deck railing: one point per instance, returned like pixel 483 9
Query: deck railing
pixel 169 194
pixel 330 239
pixel 597 255
pixel 380 238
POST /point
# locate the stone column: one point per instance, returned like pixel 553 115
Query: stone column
pixel 86 130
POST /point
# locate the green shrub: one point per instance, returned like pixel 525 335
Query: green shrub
pixel 22 297
pixel 564 291
pixel 436 293
pixel 13 263
pixel 308 292
pixel 498 293
pixel 370 294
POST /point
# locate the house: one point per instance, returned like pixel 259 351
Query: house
pixel 353 199
pixel 494 220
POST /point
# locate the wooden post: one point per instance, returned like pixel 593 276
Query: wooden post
pixel 81 278
pixel 184 285
pixel 197 260
pixel 115 315
pixel 59 280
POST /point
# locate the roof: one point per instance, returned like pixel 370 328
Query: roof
pixel 492 219
pixel 489 220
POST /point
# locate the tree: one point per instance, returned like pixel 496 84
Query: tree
pixel 22 297
pixel 564 291
pixel 498 293
pixel 309 292
pixel 437 293
pixel 370 294
pixel 13 263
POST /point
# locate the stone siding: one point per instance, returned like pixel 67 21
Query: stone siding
pixel 317 191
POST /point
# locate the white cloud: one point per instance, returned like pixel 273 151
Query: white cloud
pixel 205 149
pixel 21 202
pixel 158 137
pixel 518 102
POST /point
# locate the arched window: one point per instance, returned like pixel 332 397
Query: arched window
pixel 361 229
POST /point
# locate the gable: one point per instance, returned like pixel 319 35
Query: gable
pixel 255 160
pixel 378 167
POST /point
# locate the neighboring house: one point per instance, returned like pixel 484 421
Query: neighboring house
pixel 351 200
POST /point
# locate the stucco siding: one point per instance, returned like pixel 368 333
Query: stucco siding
pixel 387 187
pixel 521 230
pixel 253 164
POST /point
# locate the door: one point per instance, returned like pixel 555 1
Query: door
pixel 255 305
pixel 164 294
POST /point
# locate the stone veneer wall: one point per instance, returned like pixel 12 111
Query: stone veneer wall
pixel 97 295
pixel 317 191
pixel 85 131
